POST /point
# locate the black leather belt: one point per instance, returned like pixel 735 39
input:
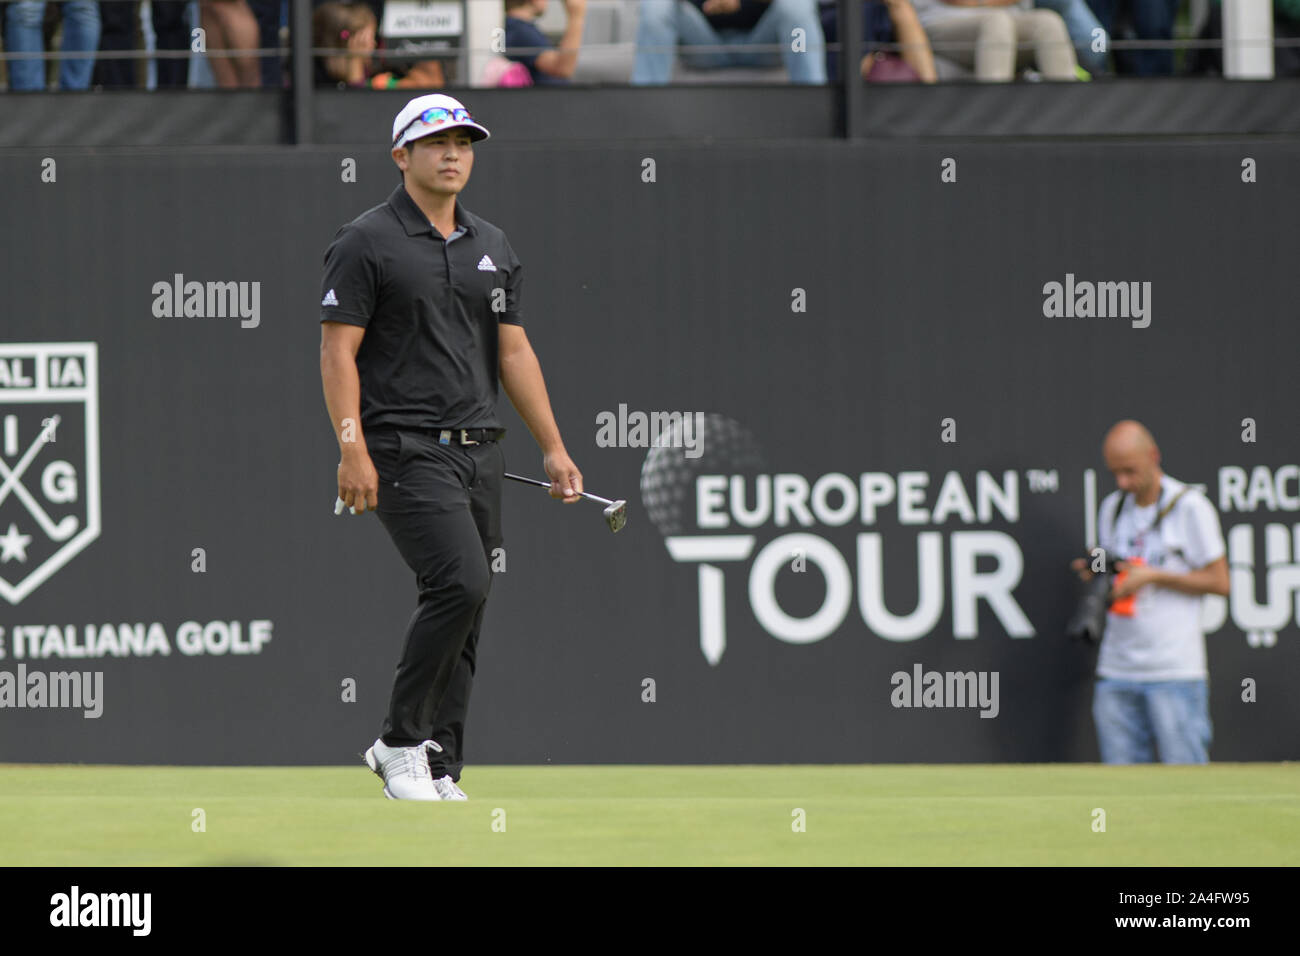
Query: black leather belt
pixel 467 436
pixel 447 436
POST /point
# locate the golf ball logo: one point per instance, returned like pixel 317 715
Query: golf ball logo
pixel 668 475
pixel 49 460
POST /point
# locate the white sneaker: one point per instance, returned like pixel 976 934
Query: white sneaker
pixel 404 770
pixel 447 789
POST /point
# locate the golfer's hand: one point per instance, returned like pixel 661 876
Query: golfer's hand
pixel 714 7
pixel 566 480
pixel 1080 567
pixel 358 482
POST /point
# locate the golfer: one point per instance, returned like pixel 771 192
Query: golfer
pixel 420 315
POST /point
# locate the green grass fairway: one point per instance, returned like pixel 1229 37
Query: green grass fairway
pixel 1222 814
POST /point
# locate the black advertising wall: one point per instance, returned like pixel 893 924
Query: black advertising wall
pixel 827 314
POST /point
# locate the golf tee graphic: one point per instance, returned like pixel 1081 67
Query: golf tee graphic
pixel 49 460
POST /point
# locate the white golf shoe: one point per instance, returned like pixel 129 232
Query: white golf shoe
pixel 404 770
pixel 447 789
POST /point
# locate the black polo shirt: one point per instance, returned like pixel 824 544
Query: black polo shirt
pixel 429 355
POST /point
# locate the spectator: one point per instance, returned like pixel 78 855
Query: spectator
pixel 422 75
pixel 117 25
pixel 985 35
pixel 399 71
pixel 546 67
pixel 1286 25
pixel 883 22
pixel 664 24
pixel 1152 694
pixel 171 29
pixel 271 67
pixel 230 25
pixel 350 29
pixel 24 20
pixel 499 71
pixel 119 22
pixel 1151 20
pixel 1080 22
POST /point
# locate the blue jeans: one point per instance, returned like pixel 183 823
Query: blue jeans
pixel 663 24
pixel 1171 716
pixel 1079 23
pixel 23 35
pixel 1152 20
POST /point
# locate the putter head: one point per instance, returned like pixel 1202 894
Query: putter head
pixel 616 516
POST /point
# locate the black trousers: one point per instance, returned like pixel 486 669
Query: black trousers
pixel 441 505
pixel 117 31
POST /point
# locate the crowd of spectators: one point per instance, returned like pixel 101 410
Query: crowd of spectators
pixel 991 40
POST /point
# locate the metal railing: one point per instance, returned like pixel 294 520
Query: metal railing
pixel 299 55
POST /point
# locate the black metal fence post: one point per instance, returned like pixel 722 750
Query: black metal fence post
pixel 300 43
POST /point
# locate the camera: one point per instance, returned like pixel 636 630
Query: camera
pixel 1089 620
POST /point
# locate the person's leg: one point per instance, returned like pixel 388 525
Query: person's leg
pixel 914 44
pixel 661 27
pixel 81 35
pixel 777 26
pixel 1154 20
pixel 984 40
pixel 214 42
pixel 116 32
pixel 829 16
pixel 1205 60
pixel 1286 59
pixel 242 34
pixel 23 21
pixel 173 33
pixel 453 710
pixel 229 25
pixel 1050 48
pixel 1104 11
pixel 1123 730
pixel 269 68
pixel 1080 22
pixel 1180 716
pixel 424 506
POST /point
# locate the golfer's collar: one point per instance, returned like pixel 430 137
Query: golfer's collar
pixel 416 223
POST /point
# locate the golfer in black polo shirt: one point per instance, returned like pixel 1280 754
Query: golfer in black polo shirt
pixel 420 315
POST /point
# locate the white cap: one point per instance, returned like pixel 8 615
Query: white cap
pixel 409 126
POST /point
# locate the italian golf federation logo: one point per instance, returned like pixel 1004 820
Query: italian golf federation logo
pixel 49 460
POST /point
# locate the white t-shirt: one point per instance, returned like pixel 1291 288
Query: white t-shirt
pixel 1163 639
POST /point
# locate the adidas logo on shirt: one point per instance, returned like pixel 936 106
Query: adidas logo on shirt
pixel 331 300
pixel 485 264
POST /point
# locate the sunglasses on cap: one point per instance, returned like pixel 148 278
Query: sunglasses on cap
pixel 435 115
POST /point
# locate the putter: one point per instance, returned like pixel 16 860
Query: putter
pixel 615 513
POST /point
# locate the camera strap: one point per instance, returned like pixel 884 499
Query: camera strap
pixel 1160 515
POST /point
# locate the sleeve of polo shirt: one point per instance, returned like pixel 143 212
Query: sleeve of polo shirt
pixel 514 283
pixel 350 285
